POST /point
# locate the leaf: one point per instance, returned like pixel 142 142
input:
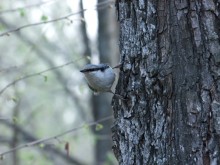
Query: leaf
pixel 41 145
pixel 15 119
pixel 86 126
pixel 45 78
pixel 44 18
pixel 88 57
pixel 14 99
pixel 22 12
pixel 98 127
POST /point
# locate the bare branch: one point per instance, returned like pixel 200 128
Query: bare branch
pixel 55 137
pixel 98 6
pixel 26 7
pixel 47 148
pixel 42 55
pixel 37 74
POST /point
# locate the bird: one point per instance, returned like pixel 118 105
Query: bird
pixel 100 77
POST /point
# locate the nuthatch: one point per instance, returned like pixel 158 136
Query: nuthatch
pixel 100 77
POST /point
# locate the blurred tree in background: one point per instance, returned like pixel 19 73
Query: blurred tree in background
pixel 42 93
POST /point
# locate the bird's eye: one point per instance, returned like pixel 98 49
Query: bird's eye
pixel 102 69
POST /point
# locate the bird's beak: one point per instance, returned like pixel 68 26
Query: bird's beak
pixel 83 70
pixel 117 66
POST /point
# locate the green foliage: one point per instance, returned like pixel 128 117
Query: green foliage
pixel 14 99
pixel 45 78
pixel 86 126
pixel 15 119
pixel 22 12
pixel 41 145
pixel 98 127
pixel 44 18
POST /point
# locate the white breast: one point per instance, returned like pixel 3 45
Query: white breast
pixel 101 80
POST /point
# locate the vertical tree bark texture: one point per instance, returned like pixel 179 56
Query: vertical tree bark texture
pixel 171 76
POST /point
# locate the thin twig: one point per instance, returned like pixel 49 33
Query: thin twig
pixel 26 7
pixel 55 137
pixel 37 74
pixel 99 5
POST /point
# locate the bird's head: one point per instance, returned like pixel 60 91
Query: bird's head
pixel 94 68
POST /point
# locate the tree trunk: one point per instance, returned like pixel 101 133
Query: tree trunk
pixel 170 75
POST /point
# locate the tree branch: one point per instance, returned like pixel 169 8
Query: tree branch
pixel 47 147
pixel 26 7
pixel 37 74
pixel 49 62
pixel 36 142
pixel 98 6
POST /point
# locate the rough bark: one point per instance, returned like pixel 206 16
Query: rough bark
pixel 171 75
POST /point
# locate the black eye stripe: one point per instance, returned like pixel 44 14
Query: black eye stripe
pixel 91 70
pixel 95 69
pixel 102 69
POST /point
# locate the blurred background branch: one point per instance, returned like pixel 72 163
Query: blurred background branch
pixel 37 74
pixel 34 107
pixel 32 141
pixel 101 5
